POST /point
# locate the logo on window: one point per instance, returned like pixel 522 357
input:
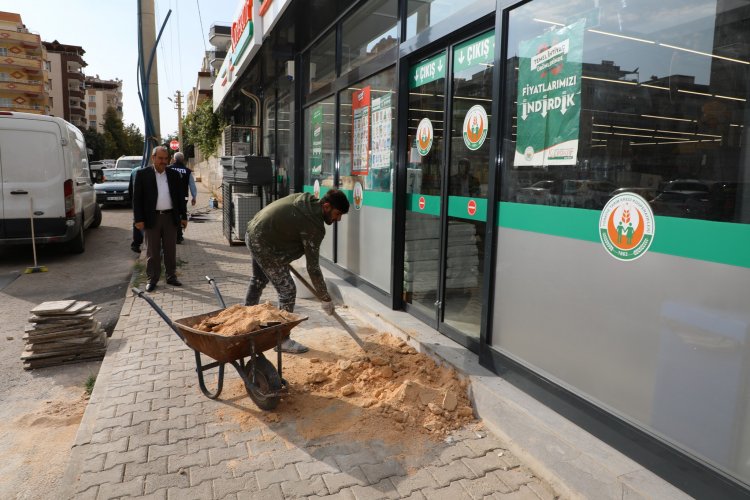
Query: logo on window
pixel 424 136
pixel 626 226
pixel 475 127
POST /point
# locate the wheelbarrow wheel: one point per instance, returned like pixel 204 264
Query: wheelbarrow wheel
pixel 264 392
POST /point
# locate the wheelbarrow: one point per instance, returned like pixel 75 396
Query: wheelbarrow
pixel 263 382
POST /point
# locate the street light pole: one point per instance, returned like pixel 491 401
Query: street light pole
pixel 178 103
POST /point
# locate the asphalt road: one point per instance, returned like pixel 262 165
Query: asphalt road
pixel 40 409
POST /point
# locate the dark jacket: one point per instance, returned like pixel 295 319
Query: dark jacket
pixel 145 194
pixel 289 228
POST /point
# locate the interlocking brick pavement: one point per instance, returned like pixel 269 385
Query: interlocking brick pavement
pixel 150 433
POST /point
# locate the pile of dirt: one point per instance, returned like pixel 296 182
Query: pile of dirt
pixel 239 319
pixel 389 392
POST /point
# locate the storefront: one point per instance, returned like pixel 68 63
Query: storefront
pixel 560 187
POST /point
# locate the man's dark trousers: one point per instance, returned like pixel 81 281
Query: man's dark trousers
pixel 165 230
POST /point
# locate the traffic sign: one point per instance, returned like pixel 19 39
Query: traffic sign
pixel 174 144
pixel 421 203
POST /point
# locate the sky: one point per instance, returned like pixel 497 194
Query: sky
pixel 108 32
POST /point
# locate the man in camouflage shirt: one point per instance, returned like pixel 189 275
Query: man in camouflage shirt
pixel 283 232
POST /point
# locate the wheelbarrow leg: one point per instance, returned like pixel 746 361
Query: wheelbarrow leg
pixel 199 368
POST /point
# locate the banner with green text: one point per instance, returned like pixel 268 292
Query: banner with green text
pixel 549 97
pixel 316 140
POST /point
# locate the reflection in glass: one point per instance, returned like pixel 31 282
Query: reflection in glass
pixel 319 63
pixel 663 106
pixel 370 31
pixel 319 143
pixel 421 14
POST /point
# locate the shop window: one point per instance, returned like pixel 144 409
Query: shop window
pixel 370 31
pixel 367 133
pixel 629 99
pixel 319 63
pixel 320 128
pixel 421 14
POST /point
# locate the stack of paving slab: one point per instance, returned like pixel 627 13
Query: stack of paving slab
pixel 63 332
pixel 421 257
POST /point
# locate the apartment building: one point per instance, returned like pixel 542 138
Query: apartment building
pixel 100 96
pixel 23 72
pixel 67 82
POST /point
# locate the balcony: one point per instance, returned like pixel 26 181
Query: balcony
pixel 26 39
pixel 220 36
pixel 78 111
pixel 22 86
pixel 30 63
pixel 25 108
pixel 75 93
pixel 216 58
pixel 78 75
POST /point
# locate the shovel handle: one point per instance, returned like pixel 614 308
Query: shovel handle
pixel 304 281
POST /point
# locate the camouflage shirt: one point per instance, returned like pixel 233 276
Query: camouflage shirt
pixel 289 228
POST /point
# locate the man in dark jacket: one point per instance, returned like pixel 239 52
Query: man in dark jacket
pixel 158 209
pixel 283 232
pixel 188 183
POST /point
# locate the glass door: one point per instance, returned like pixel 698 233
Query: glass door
pixel 468 172
pixel 447 186
pixel 426 125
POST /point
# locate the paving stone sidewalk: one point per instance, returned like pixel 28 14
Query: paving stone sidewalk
pixel 149 432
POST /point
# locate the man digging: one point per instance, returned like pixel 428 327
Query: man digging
pixel 283 232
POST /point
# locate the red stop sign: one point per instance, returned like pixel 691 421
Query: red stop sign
pixel 471 207
pixel 421 203
pixel 174 144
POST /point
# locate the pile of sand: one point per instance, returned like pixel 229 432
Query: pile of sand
pixel 239 319
pixel 389 392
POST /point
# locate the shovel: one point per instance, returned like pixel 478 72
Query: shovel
pixel 338 318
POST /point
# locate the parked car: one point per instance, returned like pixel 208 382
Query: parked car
pixel 44 165
pixel 130 162
pixel 546 192
pixel 648 193
pixel 114 188
pixel 689 204
pixel 590 194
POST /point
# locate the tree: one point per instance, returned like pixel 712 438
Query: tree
pixel 95 142
pixel 133 140
pixel 203 128
pixel 114 134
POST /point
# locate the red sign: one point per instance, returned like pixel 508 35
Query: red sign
pixel 471 207
pixel 238 26
pixel 421 203
pixel 174 144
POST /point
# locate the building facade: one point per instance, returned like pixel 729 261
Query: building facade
pixel 24 84
pixel 562 188
pixel 67 82
pixel 100 96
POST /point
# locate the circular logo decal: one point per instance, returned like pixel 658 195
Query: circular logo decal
pixel 358 195
pixel 424 136
pixel 422 203
pixel 475 127
pixel 316 189
pixel 471 207
pixel 627 226
pixel 528 153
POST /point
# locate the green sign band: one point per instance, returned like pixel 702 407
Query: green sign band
pixel 427 71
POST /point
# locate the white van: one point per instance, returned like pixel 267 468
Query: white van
pixel 43 161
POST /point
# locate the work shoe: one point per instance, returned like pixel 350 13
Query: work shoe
pixel 173 281
pixel 292 347
pixel 151 287
pixel 135 248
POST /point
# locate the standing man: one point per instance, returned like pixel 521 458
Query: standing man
pixel 135 245
pixel 283 232
pixel 159 209
pixel 188 183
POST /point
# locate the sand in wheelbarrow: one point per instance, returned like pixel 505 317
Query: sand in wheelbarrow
pixel 391 393
pixel 239 319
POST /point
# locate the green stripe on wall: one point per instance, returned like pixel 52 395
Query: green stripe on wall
pixel 458 207
pixel 722 242
pixel 431 204
pixel 379 199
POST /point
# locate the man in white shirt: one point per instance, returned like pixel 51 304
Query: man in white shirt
pixel 159 208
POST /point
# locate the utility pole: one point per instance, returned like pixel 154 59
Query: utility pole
pixel 148 34
pixel 178 105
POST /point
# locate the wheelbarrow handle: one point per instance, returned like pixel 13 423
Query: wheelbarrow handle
pixel 217 292
pixel 140 293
